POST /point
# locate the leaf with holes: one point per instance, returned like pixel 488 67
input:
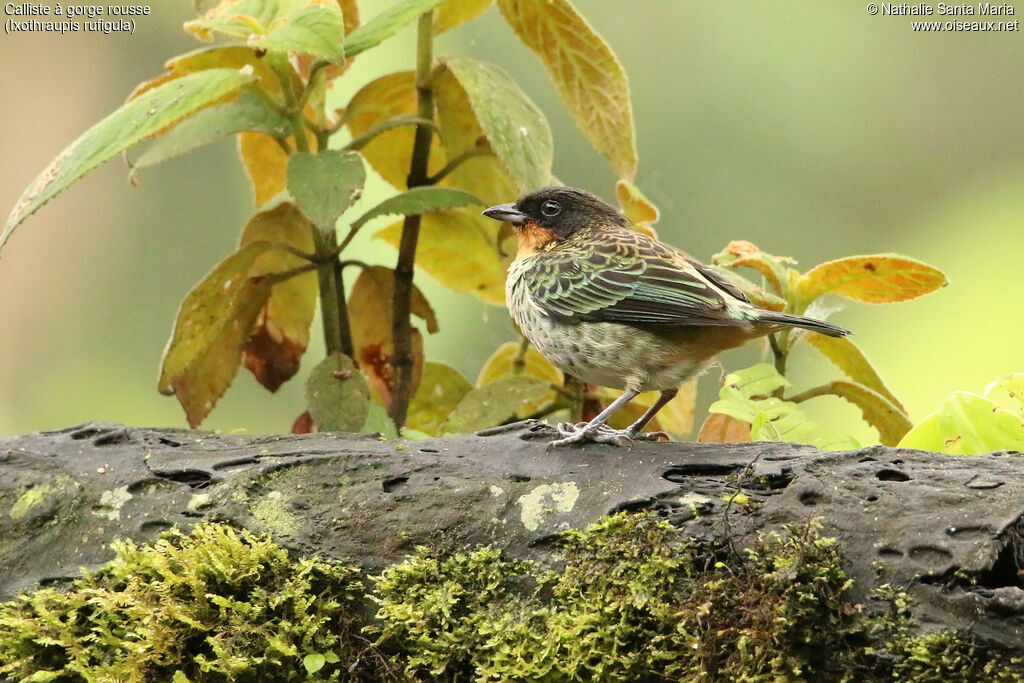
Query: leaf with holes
pixel 587 74
pixel 386 24
pixel 133 122
pixel 213 324
pixel 846 356
pixel 337 395
pixel 1008 391
pixel 508 398
pixel 281 333
pixel 370 306
pixel 390 152
pixel 720 428
pixel 440 391
pixel 312 27
pixel 516 129
pixel 453 249
pixel 326 184
pixel 248 112
pixel 967 424
pixel 419 200
pixel 876 279
pixel 452 13
pixel 888 418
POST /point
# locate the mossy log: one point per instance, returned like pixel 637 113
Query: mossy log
pixel 947 529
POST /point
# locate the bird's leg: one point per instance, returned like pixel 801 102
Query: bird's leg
pixel 635 430
pixel 596 429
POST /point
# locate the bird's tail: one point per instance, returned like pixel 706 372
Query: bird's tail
pixel 790 320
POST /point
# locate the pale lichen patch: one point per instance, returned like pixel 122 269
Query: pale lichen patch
pixel 111 502
pixel 34 495
pixel 546 500
pixel 275 515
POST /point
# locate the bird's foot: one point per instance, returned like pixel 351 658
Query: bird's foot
pixel 583 432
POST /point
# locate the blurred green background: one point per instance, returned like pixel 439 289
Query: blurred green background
pixel 811 129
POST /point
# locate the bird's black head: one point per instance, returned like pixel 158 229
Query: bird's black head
pixel 562 210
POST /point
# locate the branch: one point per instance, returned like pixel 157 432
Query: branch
pixel 402 325
pixel 813 392
pixel 457 161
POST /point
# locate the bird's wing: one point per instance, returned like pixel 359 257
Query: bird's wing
pixel 627 277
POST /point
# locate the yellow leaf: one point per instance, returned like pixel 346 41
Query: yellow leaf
pixel 454 250
pixel 370 314
pixel 875 279
pixel 502 364
pixel 845 355
pixel 634 204
pixel 742 253
pixel 451 13
pixel 586 72
pixel 229 57
pixel 281 333
pixel 266 163
pixel 890 420
pixel 390 152
pixel 440 391
pixel 213 323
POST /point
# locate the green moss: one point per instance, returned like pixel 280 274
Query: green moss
pixel 215 605
pixel 633 600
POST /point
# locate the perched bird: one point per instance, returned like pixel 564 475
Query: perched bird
pixel 614 307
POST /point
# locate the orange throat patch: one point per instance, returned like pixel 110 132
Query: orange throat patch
pixel 531 237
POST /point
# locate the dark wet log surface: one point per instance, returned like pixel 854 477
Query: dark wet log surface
pixel 948 529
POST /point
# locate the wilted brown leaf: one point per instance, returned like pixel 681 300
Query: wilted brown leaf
pixel 586 72
pixel 213 323
pixel 281 333
pixel 390 152
pixel 370 307
pixel 453 249
pixel 875 279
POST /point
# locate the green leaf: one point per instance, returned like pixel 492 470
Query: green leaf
pixel 1008 391
pixel 144 116
pixel 213 323
pixel 757 380
pixel 440 391
pixel 331 657
pixel 452 249
pixel 386 24
pixel 378 422
pixel 493 404
pixel 324 185
pixel 515 127
pixel 846 356
pixel 314 662
pixel 248 112
pixel 875 279
pixel 967 424
pixel 337 395
pixel 419 200
pixel 311 27
pixel 888 418
pixel 587 74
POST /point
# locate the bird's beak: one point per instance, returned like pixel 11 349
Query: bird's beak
pixel 507 213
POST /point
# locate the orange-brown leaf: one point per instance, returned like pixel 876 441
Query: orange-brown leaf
pixel 281 333
pixel 720 428
pixel 451 13
pixel 874 279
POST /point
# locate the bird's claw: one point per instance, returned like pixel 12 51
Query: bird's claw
pixel 583 432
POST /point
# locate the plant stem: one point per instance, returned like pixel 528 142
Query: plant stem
pixel 457 161
pixel 361 141
pixel 813 392
pixel 402 360
pixel 780 355
pixel 328 293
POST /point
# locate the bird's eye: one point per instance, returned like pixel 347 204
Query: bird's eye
pixel 550 208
